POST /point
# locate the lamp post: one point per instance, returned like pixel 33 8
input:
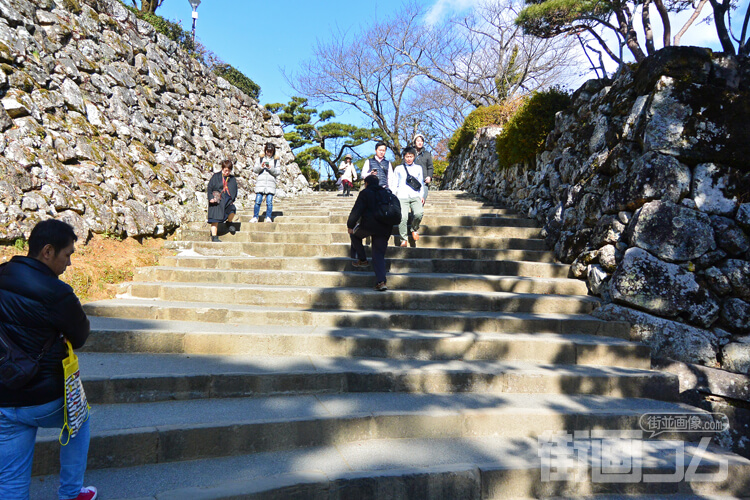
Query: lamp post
pixel 194 4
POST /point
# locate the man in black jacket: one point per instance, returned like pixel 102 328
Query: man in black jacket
pixel 424 158
pixel 36 306
pixel 362 223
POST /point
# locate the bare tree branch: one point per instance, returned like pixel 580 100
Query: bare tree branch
pixel 690 21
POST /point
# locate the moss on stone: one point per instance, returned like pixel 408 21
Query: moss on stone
pixel 72 6
pixel 6 55
pixel 164 173
pixel 78 120
pixel 143 152
pixel 21 80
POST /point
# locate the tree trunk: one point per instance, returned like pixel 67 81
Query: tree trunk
pixel 150 6
pixel 745 43
pixel 627 31
pixel 646 16
pixel 664 14
pixel 720 8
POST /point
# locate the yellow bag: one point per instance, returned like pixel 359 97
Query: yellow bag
pixel 76 406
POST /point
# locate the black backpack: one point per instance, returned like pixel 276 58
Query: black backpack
pixel 387 207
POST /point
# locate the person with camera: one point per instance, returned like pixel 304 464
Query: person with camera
pixel 406 182
pixel 221 192
pixel 378 165
pixel 38 312
pixel 362 223
pixel 268 169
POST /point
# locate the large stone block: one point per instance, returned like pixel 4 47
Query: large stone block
pixel 699 123
pixel 714 189
pixel 653 176
pixel 647 283
pixel 735 313
pixel 666 338
pixel 738 272
pixel 729 236
pixel 672 232
pixel 736 357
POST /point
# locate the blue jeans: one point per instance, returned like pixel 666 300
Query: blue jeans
pixel 17 435
pixel 259 200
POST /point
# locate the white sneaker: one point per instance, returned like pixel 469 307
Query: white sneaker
pixel 254 220
pixel 268 219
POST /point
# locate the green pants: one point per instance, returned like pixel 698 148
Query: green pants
pixel 413 205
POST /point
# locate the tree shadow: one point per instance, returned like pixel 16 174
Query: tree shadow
pixel 389 370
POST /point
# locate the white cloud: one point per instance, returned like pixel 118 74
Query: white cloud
pixel 443 8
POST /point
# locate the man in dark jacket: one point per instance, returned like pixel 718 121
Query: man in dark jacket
pixel 378 165
pixel 36 306
pixel 424 158
pixel 362 223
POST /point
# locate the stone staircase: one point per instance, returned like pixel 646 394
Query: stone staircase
pixel 265 366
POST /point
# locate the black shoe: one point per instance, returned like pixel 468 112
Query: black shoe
pixel 215 239
pixel 231 229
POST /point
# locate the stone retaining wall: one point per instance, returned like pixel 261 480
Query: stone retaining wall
pixel 114 128
pixel 643 188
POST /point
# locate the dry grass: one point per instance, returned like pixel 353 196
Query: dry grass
pixel 102 263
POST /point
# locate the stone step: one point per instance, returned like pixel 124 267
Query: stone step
pixel 434 220
pixel 448 321
pixel 360 279
pixel 511 239
pixel 138 378
pixel 168 431
pixel 507 263
pixel 459 216
pixel 280 222
pixel 115 335
pixel 324 225
pixel 344 249
pixel 442 259
pixel 364 299
pixel 320 233
pixel 417 468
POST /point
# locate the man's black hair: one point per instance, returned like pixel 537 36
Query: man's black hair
pixel 51 232
pixel 409 150
pixel 380 143
pixel 371 179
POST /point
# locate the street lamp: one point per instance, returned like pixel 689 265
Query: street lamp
pixel 194 4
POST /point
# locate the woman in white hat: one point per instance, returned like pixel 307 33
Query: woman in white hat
pixel 348 174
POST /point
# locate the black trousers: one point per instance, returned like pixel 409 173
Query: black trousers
pixel 379 246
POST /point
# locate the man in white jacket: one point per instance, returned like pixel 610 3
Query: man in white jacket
pixel 406 182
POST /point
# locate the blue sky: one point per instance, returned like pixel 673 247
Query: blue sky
pixel 260 37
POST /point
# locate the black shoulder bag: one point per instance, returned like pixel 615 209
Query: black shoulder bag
pixel 412 181
pixel 17 368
